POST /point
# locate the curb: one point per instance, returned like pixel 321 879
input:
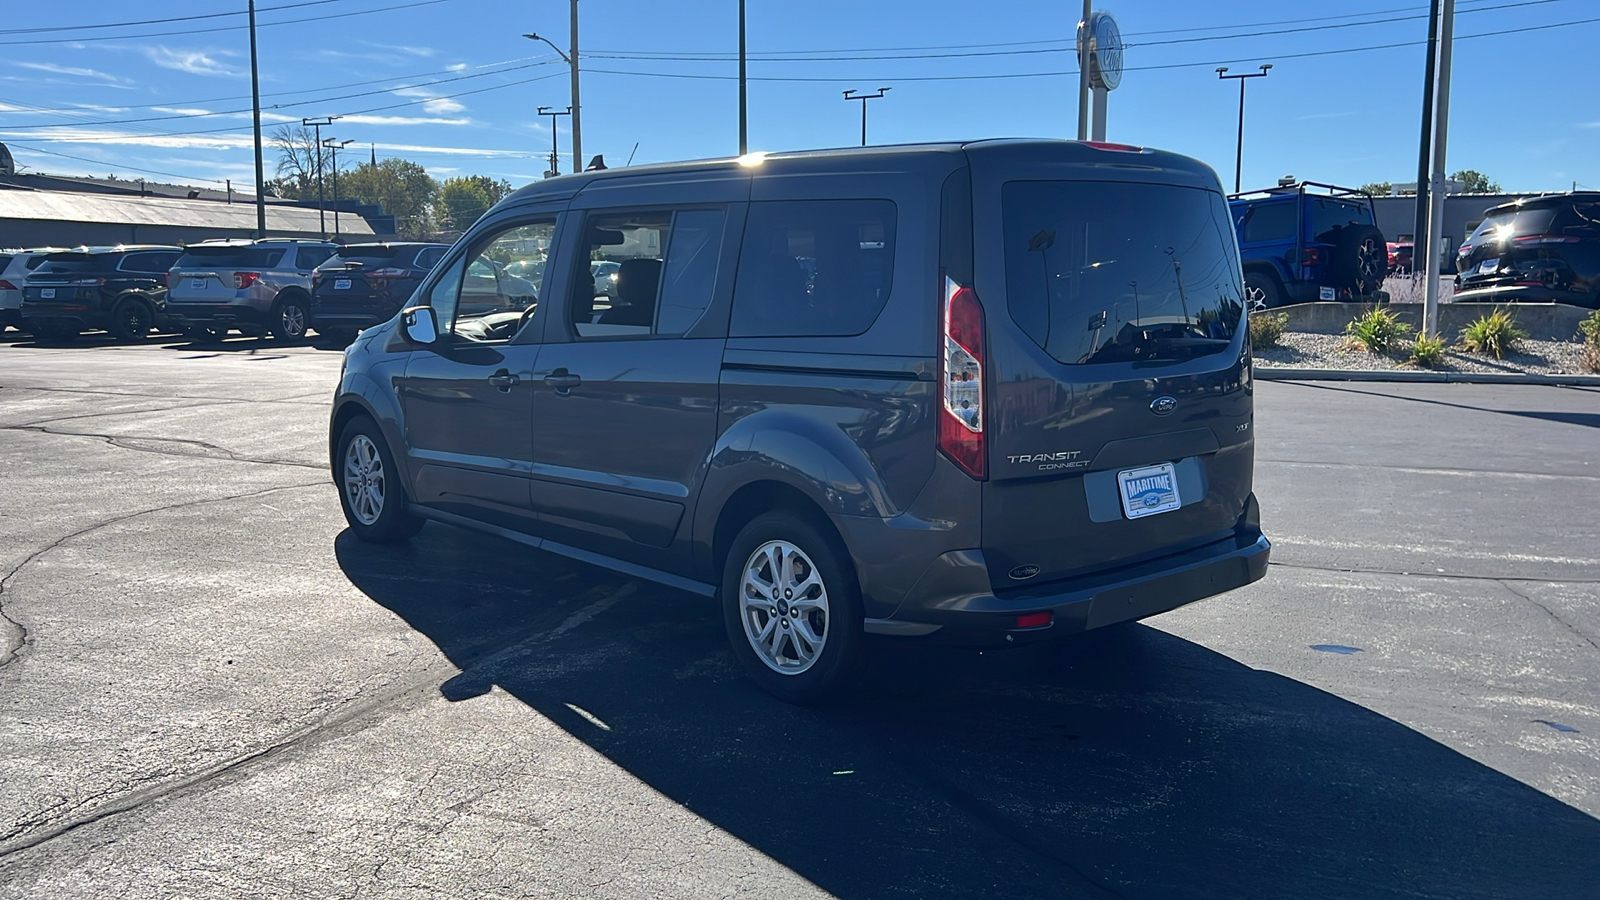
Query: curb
pixel 1286 373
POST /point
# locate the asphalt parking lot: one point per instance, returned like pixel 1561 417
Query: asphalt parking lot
pixel 209 689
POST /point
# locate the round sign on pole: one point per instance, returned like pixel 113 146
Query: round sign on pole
pixel 1105 60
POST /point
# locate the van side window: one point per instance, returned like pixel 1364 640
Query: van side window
pixel 490 293
pixel 650 272
pixel 814 268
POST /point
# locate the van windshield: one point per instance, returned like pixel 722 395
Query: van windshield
pixel 1103 271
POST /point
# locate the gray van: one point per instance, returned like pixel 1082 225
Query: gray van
pixel 990 393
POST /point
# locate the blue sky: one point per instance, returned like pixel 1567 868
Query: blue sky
pixel 452 84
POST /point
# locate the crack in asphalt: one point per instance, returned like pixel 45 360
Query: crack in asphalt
pixel 1552 614
pixel 16 637
pixel 160 445
pixel 351 717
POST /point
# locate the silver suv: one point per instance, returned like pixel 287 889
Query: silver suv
pixel 251 286
pixel 15 266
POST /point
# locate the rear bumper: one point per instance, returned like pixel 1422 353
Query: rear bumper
pixel 980 616
pixel 184 314
pixel 1522 294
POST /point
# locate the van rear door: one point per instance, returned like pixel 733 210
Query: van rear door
pixel 1117 371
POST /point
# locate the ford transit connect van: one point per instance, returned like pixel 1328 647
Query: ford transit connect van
pixel 993 392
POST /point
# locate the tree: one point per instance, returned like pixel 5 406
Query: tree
pixel 495 190
pixel 296 146
pixel 1475 182
pixel 402 188
pixel 462 201
pixel 1377 188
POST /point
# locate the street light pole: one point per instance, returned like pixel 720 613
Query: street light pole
pixel 572 60
pixel 1238 157
pixel 1434 252
pixel 334 145
pixel 555 154
pixel 255 98
pixel 864 98
pixel 322 221
pixel 1083 72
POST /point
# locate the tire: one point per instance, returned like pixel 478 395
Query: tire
pixel 1261 291
pixel 131 320
pixel 1360 260
pixel 370 492
pixel 290 316
pixel 813 644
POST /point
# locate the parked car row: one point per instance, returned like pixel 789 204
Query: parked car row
pixel 1303 241
pixel 282 286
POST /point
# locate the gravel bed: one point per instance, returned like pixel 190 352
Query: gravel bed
pixel 1329 351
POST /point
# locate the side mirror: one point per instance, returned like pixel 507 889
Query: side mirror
pixel 421 324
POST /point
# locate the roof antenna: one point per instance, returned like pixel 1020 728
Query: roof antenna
pixel 636 150
pixel 598 164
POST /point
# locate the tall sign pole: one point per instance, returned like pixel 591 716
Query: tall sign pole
pixel 1083 72
pixel 744 119
pixel 577 116
pixel 1441 130
pixel 255 98
pixel 1419 232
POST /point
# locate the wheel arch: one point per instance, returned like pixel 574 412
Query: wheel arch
pixel 744 505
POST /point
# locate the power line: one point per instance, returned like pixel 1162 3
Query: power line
pixel 118 165
pixel 240 12
pixel 190 31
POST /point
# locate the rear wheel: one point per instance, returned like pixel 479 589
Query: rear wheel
pixel 131 319
pixel 1261 291
pixel 289 318
pixel 374 503
pixel 791 607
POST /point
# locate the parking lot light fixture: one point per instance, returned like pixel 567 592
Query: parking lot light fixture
pixel 864 98
pixel 1238 157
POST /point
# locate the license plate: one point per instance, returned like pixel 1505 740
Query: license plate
pixel 1326 293
pixel 198 284
pixel 1148 490
pixel 47 293
pixel 341 284
pixel 1488 266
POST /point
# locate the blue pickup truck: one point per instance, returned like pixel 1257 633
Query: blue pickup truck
pixel 1303 241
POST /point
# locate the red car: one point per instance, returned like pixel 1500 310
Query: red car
pixel 1399 258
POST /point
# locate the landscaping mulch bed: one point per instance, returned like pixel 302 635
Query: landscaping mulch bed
pixel 1331 351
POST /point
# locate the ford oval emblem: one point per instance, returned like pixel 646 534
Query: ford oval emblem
pixel 1023 573
pixel 1163 406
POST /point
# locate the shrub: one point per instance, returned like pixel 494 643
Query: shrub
pixel 1591 329
pixel 1591 357
pixel 1377 330
pixel 1427 352
pixel 1266 328
pixel 1495 333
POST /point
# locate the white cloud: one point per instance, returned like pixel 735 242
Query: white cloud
pixel 401 120
pixel 432 103
pixel 69 70
pixel 195 62
pixel 456 67
pixel 453 151
pixel 182 111
pixel 241 141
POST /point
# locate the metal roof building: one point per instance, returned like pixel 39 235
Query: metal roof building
pixel 62 218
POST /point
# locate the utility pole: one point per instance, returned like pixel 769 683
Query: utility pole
pixel 1083 72
pixel 1419 232
pixel 571 60
pixel 334 145
pixel 864 98
pixel 555 154
pixel 1238 157
pixel 255 98
pixel 322 221
pixel 744 119
pixel 1441 130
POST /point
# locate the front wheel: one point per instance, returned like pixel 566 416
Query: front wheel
pixel 289 319
pixel 1261 291
pixel 369 486
pixel 791 607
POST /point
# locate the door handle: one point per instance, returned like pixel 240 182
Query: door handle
pixel 562 380
pixel 504 380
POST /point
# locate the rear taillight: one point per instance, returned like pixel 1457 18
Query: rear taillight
pixel 242 280
pixel 6 285
pixel 1544 239
pixel 1311 256
pixel 387 273
pixel 961 373
pixel 1102 145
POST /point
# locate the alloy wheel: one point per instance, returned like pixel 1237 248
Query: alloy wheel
pixel 292 320
pixel 363 479
pixel 784 607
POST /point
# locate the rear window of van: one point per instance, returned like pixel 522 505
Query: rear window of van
pixel 814 268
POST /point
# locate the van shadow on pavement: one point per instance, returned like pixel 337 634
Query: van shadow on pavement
pixel 1129 764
